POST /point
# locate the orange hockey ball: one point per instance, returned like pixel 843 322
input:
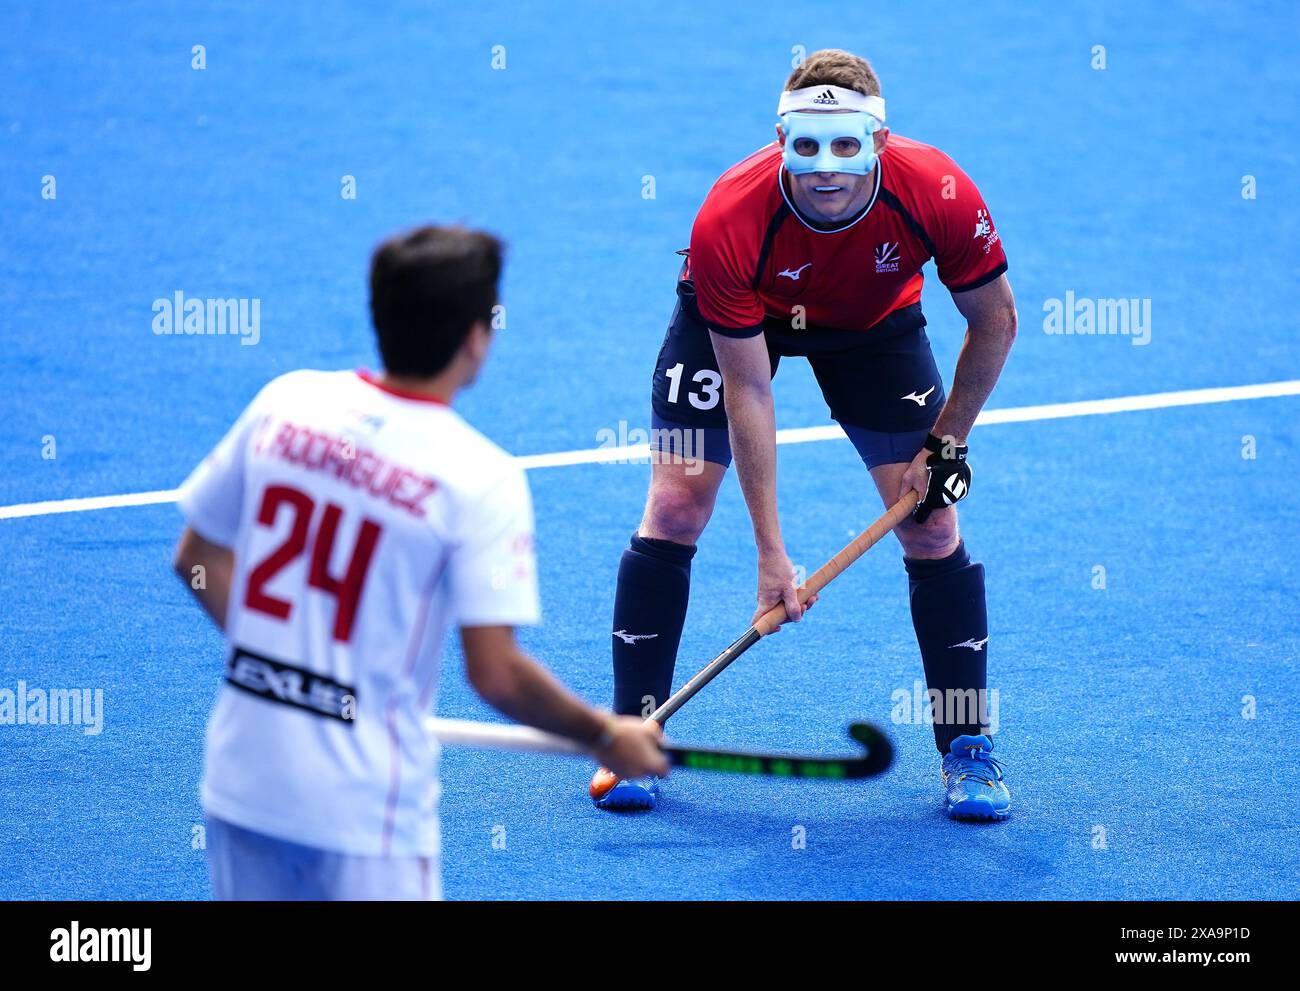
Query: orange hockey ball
pixel 601 783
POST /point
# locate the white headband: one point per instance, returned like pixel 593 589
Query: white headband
pixel 830 98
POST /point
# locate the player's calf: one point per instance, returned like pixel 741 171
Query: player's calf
pixel 951 623
pixel 654 581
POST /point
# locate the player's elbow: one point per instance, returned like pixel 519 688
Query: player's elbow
pixel 198 558
pixel 184 558
pixel 1009 326
pixel 492 681
pixel 1001 324
pixel 1011 323
pixel 499 684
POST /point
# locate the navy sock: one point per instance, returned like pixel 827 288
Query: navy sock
pixel 654 583
pixel 951 621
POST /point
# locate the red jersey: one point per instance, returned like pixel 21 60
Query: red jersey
pixel 754 256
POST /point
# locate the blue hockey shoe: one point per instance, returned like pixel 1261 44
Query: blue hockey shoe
pixel 628 794
pixel 973 780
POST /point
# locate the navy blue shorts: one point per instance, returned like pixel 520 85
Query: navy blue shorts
pixel 882 385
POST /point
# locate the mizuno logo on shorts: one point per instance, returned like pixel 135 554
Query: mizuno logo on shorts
pixel 276 681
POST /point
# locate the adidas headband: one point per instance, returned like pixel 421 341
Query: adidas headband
pixel 830 98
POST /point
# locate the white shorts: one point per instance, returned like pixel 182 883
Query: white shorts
pixel 248 866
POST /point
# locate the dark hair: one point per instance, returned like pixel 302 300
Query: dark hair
pixel 428 287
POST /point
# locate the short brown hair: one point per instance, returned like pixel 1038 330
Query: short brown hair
pixel 428 287
pixel 835 67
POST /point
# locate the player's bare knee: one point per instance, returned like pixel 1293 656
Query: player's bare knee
pixel 675 513
pixel 677 509
pixel 937 537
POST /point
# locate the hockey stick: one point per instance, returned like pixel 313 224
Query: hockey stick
pixel 770 620
pixel 525 739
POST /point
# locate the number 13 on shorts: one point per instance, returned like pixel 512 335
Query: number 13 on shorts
pixel 709 381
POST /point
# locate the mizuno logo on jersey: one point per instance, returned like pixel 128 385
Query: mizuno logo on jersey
pixel 972 643
pixel 919 398
pixel 633 637
pixel 887 257
pixel 793 273
pixel 276 681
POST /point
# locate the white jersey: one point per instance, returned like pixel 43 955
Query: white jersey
pixel 364 522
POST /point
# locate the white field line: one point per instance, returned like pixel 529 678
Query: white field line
pixel 798 435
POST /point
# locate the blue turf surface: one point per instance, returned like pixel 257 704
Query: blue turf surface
pixel 1121 709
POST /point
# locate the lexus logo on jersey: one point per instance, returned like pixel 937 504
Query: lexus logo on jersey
pixel 887 256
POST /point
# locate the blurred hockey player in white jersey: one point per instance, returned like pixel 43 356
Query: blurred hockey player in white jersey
pixel 345 522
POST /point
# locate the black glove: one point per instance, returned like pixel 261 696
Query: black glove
pixel 949 476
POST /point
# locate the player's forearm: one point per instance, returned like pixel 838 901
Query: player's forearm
pixel 206 568
pixel 752 421
pixel 526 692
pixel 978 367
